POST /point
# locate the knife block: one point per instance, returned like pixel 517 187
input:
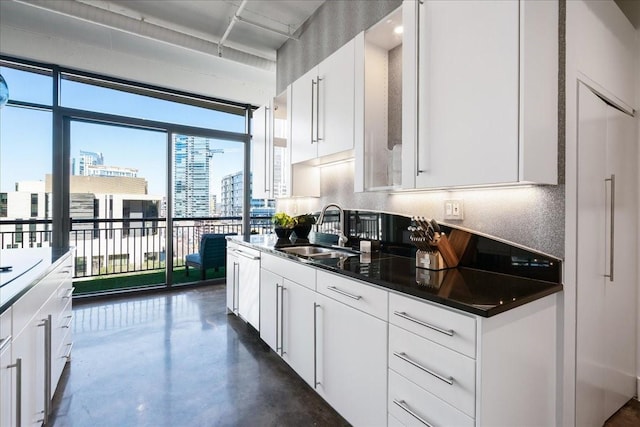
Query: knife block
pixel 430 260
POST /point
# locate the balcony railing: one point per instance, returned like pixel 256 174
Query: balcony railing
pixel 126 245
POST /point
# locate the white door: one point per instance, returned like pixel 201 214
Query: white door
pixel 606 307
pixel 297 339
pixel 336 86
pixel 249 290
pixel 352 362
pixel 304 123
pixel 270 307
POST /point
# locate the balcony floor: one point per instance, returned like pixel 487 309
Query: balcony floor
pixel 177 359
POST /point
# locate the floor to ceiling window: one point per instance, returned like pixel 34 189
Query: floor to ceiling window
pixel 137 167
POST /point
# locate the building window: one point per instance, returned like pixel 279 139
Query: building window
pixel 32 234
pixel 34 205
pixel 18 233
pixel 3 205
pixel 81 266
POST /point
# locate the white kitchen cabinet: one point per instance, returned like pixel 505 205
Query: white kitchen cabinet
pixel 243 283
pixel 270 314
pixel 430 379
pixel 606 264
pixel 351 361
pixel 297 328
pixel 480 100
pixel 323 107
pixel 37 339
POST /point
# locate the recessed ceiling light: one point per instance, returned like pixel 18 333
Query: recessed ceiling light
pixel 398 30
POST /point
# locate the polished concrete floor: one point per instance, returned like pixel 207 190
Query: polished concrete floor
pixel 176 359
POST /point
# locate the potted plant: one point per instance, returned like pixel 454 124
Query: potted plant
pixel 303 225
pixel 283 224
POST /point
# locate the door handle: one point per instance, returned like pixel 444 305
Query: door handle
pixel 316 383
pixel 18 366
pixel 612 211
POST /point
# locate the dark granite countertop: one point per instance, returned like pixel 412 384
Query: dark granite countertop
pixel 473 290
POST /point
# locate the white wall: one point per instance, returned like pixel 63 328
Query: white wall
pixel 638 123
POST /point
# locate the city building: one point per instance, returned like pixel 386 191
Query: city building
pixel 81 163
pixel 191 176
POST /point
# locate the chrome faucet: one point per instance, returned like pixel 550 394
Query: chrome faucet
pixel 342 239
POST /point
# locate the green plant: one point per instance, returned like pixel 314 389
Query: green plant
pixel 305 219
pixel 282 220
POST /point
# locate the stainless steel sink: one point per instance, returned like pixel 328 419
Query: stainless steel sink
pixel 318 252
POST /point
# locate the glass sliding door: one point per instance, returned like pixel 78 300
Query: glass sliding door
pixel 117 191
pixel 207 198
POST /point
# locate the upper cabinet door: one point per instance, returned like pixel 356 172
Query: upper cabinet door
pixel 467 120
pixel 336 85
pixel 304 124
pixel 261 153
pixel 468 93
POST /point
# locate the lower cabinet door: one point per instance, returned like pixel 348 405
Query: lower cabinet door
pixel 29 346
pixel 270 315
pixel 351 362
pixel 297 338
pixel 232 282
pixel 414 406
pixel 7 387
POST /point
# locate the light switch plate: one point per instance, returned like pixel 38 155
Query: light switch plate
pixel 454 209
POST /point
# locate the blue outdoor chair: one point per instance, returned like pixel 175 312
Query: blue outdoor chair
pixel 211 254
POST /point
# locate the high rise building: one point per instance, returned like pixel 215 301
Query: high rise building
pixel 85 159
pixel 191 176
pixel 232 193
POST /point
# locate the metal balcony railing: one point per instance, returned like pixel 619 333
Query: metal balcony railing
pixel 125 245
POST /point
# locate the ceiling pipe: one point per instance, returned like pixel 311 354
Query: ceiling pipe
pixel 264 27
pixel 235 18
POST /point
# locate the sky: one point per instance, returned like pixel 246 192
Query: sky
pixel 25 135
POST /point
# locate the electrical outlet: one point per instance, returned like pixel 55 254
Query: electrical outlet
pixel 453 209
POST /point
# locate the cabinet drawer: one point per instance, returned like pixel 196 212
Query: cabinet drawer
pixel 353 293
pixel 446 327
pixel 412 406
pixel 439 370
pixel 291 270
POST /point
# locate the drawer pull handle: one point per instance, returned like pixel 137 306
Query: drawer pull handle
pixel 404 315
pixel 4 342
pixel 403 356
pixel 68 354
pixel 69 293
pixel 68 324
pixel 346 294
pixel 402 404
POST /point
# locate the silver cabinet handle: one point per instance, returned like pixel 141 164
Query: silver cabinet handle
pixel 4 342
pixel 282 289
pixel 46 323
pixel 69 293
pixel 417 99
pixel 68 355
pixel 278 347
pixel 313 84
pixel 234 290
pixel 404 315
pixel 403 356
pixel 316 383
pixel 612 236
pixel 346 294
pixel 68 324
pixel 18 366
pixel 403 405
pixel 318 139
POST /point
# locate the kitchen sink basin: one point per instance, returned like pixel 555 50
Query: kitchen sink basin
pixel 318 252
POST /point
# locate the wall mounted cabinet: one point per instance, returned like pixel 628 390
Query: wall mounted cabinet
pixel 479 100
pixel 322 109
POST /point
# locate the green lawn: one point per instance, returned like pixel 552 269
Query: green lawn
pixel 139 280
